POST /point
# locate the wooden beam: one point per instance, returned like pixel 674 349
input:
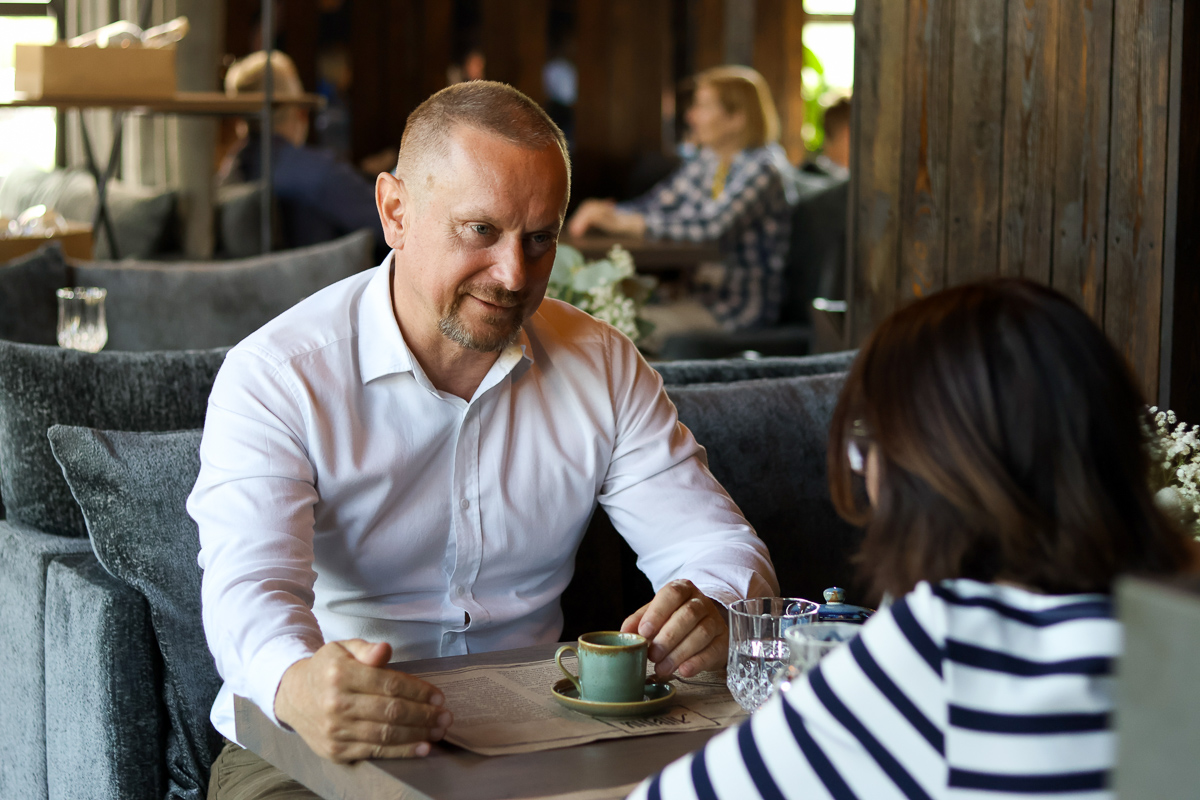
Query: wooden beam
pixel 1081 153
pixel 1137 185
pixel 976 143
pixel 925 150
pixel 876 144
pixel 1027 224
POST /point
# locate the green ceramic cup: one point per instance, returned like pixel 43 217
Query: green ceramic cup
pixel 612 666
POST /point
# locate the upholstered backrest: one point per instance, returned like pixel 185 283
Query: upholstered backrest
pixel 766 441
pixel 729 370
pixel 28 308
pixel 42 386
pixel 180 305
pixel 133 490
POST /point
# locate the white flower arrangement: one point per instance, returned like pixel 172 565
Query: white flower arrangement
pixel 1175 467
pixel 609 289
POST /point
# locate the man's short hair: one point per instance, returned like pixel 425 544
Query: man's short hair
pixel 487 106
pixel 249 75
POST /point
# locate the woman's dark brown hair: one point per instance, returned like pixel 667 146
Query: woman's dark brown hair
pixel 1006 432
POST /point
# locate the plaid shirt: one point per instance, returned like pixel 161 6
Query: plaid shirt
pixel 750 221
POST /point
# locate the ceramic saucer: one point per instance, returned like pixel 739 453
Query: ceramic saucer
pixel 659 697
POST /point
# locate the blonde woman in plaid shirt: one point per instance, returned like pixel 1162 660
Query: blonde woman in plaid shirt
pixel 731 192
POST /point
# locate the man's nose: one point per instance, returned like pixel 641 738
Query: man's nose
pixel 509 267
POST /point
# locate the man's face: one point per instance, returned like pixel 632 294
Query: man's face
pixel 477 241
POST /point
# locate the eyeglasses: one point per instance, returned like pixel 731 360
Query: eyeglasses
pixel 858 444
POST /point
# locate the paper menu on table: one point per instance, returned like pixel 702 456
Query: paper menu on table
pixel 499 710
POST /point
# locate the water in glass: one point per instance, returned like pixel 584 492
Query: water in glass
pixel 757 648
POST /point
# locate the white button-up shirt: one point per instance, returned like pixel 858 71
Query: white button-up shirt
pixel 342 495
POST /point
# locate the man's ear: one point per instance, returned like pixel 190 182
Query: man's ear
pixel 394 203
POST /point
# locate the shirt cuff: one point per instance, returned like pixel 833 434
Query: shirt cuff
pixel 264 673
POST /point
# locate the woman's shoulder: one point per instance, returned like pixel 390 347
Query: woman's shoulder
pixel 958 609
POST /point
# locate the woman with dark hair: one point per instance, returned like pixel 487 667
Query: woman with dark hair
pixel 988 438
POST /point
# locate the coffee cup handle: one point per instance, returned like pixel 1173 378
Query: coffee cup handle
pixel 558 660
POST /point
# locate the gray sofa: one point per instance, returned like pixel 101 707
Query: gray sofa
pixel 108 689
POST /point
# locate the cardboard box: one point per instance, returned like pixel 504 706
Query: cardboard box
pixel 57 70
pixel 76 243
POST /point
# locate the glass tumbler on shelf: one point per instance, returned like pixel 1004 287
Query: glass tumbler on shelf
pixel 81 323
pixel 757 644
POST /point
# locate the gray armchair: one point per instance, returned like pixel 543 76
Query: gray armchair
pixel 47 567
pixel 97 648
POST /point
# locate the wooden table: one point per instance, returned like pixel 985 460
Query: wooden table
pixel 649 255
pixel 451 773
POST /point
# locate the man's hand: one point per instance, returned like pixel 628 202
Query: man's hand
pixel 348 706
pixel 686 630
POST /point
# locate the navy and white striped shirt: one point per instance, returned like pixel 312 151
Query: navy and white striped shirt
pixel 750 221
pixel 959 690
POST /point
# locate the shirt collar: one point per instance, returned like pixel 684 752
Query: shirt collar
pixel 383 351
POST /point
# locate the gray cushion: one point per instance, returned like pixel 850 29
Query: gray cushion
pixel 25 555
pixel 28 308
pixel 141 216
pixel 678 373
pixel 766 443
pixel 133 490
pixel 178 305
pixel 43 386
pixel 104 730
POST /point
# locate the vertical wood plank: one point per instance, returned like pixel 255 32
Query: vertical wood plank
pixel 973 200
pixel 791 98
pixel 591 110
pixel 1179 381
pixel 876 145
pixel 769 44
pixel 1137 184
pixel 1027 233
pixel 927 88
pixel 1081 162
pixel 709 46
pixel 514 42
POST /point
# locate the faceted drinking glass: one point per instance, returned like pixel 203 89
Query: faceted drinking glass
pixel 81 324
pixel 757 647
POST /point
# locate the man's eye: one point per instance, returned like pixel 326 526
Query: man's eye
pixel 481 229
pixel 542 238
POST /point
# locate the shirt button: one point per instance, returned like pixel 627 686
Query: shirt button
pixel 464 503
pixel 460 590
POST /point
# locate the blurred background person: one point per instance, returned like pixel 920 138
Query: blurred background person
pixel 834 158
pixel 731 193
pixel 320 197
pixel 989 439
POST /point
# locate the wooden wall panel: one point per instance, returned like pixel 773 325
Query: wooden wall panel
pixel 924 171
pixel 624 62
pixel 779 56
pixel 1081 152
pixel 1027 208
pixel 710 33
pixel 514 43
pixel 973 201
pixel 400 55
pixel 878 133
pixel 1137 184
pixel 1179 379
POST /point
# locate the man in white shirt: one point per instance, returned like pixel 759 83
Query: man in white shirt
pixel 403 465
